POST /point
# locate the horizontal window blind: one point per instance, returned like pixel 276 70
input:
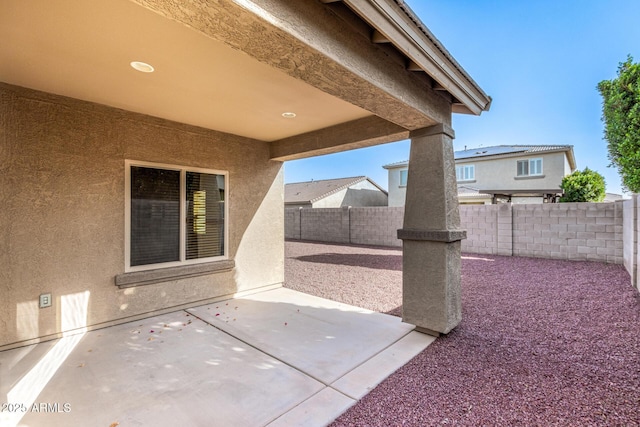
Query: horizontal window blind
pixel 529 167
pixel 466 173
pixel 155 216
pixel 523 167
pixel 204 215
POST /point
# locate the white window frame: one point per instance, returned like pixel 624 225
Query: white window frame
pixel 183 213
pixel 404 172
pixel 530 162
pixel 465 170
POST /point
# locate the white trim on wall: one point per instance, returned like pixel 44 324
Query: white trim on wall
pixel 127 213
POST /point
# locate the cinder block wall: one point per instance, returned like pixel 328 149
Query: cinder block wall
pixel 376 225
pixel 489 229
pixel 572 231
pixel 325 224
pixel 481 223
pixel 292 223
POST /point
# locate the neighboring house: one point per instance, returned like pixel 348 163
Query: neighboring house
pixel 473 196
pixel 612 197
pixel 334 193
pixel 130 191
pixel 512 173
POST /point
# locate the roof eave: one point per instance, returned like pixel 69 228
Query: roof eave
pixel 377 186
pixel 402 27
pixel 396 165
pixel 523 191
pixel 572 159
pixel 564 149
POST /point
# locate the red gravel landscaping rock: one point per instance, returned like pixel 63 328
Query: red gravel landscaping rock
pixel 542 342
pixel 362 276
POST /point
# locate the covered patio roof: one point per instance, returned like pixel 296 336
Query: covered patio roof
pixel 355 73
pixel 232 86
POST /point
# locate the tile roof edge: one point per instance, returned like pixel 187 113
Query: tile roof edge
pixel 327 179
pixel 342 187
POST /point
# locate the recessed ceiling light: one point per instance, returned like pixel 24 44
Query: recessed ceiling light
pixel 142 66
pixel 288 115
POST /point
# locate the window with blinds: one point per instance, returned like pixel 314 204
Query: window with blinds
pixel 175 216
pixel 205 216
pixel 529 167
pixel 403 177
pixel 155 216
pixel 465 173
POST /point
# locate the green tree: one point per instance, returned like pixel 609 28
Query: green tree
pixel 583 186
pixel 621 116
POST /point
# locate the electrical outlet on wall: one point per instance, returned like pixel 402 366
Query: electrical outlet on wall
pixel 45 300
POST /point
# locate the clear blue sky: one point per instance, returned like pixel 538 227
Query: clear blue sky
pixel 539 60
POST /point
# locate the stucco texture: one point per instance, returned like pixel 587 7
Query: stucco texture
pixel 62 191
pixel 499 174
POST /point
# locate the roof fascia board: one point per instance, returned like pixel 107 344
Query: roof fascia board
pixel 396 165
pixel 572 159
pixel 474 196
pixel 524 191
pixel 395 24
pixel 377 186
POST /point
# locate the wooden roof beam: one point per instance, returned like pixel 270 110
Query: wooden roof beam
pixel 412 66
pixel 378 37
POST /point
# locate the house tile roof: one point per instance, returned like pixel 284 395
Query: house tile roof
pixel 498 150
pixel 466 191
pixel 507 149
pixel 396 164
pixel 312 191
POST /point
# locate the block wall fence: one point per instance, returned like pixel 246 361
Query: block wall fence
pixel 604 232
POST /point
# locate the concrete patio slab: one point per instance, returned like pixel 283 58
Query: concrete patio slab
pixel 321 338
pixel 319 410
pixel 264 359
pixel 357 383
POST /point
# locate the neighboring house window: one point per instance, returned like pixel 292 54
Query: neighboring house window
pixel 466 172
pixel 403 177
pixel 529 167
pixel 174 215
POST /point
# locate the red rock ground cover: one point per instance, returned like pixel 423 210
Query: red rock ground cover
pixel 542 342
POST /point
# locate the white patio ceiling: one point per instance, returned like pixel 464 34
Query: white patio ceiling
pixel 82 49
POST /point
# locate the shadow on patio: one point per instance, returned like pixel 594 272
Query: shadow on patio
pixel 273 358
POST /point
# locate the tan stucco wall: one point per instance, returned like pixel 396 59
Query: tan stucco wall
pixel 62 171
pixel 497 174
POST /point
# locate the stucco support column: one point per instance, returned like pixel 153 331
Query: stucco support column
pixel 431 234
